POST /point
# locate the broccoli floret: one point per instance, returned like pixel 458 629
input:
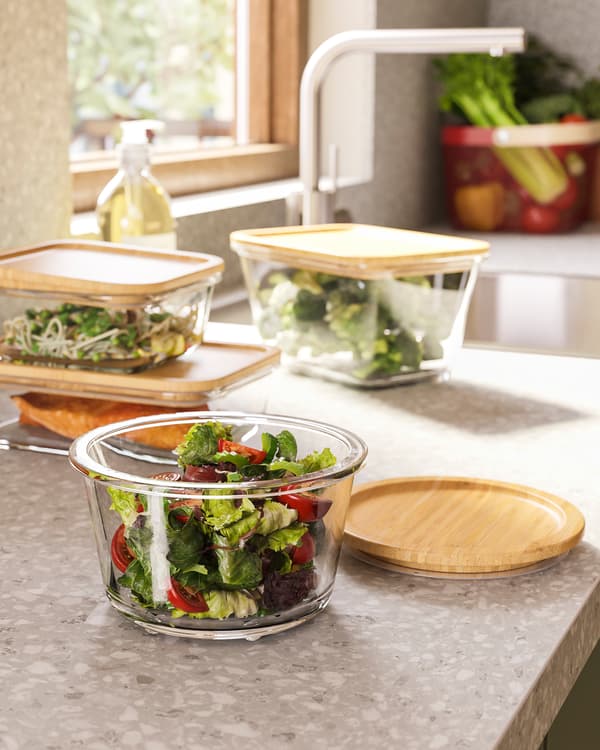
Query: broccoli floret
pixel 309 306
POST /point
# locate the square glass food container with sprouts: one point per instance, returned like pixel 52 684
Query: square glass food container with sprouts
pixel 102 306
pixel 364 305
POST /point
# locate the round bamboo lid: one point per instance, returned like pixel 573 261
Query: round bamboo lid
pixel 460 525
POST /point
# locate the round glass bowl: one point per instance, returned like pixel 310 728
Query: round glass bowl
pixel 262 553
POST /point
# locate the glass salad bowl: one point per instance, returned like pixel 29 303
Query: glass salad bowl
pixel 235 533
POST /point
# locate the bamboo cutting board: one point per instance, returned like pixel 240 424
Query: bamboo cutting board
pixel 460 525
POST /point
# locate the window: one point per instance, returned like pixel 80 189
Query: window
pixel 168 60
pixel 222 75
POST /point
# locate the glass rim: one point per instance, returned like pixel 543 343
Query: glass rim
pixel 81 460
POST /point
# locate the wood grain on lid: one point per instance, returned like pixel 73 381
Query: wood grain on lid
pixel 102 268
pixel 358 245
pixel 183 381
pixel 456 524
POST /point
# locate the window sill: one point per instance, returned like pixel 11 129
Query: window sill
pixel 83 223
pixel 192 172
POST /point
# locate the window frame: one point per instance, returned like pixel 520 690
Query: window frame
pixel 277 53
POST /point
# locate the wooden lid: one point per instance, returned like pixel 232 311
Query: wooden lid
pixel 359 250
pixel 460 525
pixel 186 381
pixel 71 267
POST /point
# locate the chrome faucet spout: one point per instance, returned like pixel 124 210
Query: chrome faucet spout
pixel 495 41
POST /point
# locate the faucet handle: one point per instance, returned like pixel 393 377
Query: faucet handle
pixel 332 168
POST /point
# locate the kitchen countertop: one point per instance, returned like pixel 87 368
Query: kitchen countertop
pixel 394 661
pixel 572 254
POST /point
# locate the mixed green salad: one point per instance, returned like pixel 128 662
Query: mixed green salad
pixel 227 557
pixel 388 326
pixel 84 333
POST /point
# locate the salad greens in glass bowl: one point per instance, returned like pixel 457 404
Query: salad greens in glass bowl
pixel 235 533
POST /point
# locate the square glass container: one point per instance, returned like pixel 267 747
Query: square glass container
pixel 102 306
pixel 185 550
pixel 364 305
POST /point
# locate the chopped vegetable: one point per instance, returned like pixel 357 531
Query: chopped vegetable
pixel 83 333
pixel 377 327
pixel 230 553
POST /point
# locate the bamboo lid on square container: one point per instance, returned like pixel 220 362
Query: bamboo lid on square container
pixel 359 250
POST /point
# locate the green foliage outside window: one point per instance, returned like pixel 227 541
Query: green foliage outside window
pixel 165 59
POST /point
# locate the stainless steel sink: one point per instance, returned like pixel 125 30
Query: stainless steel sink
pixel 535 312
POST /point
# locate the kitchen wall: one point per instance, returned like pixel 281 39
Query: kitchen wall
pixel 569 27
pixel 406 186
pixel 35 184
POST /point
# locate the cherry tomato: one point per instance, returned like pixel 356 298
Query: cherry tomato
pixel 568 197
pixel 206 473
pixel 255 455
pixel 305 552
pixel 573 117
pixel 540 219
pixel 308 507
pixel 188 601
pixel 119 551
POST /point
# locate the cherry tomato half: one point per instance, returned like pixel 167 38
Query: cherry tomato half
pixel 568 197
pixel 305 552
pixel 188 601
pixel 540 219
pixel 573 117
pixel 254 455
pixel 119 551
pixel 308 507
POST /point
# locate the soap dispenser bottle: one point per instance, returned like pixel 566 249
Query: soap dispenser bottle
pixel 134 208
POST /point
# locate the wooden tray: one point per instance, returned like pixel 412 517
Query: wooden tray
pixel 460 525
pixel 186 381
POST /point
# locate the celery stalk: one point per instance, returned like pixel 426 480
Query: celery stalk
pixel 482 88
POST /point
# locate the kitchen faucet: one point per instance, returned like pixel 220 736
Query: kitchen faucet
pixel 315 203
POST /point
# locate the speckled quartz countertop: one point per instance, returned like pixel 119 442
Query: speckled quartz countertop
pixel 395 661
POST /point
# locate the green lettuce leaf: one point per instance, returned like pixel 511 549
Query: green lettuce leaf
pixel 197 578
pixel 219 512
pixel 318 460
pixel 275 516
pixel 201 443
pixel 233 458
pixel 236 530
pixel 269 445
pixel 287 446
pixel 139 580
pixel 185 544
pixel 124 503
pixel 238 569
pixel 282 538
pixel 139 539
pixel 294 467
pixel 222 604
